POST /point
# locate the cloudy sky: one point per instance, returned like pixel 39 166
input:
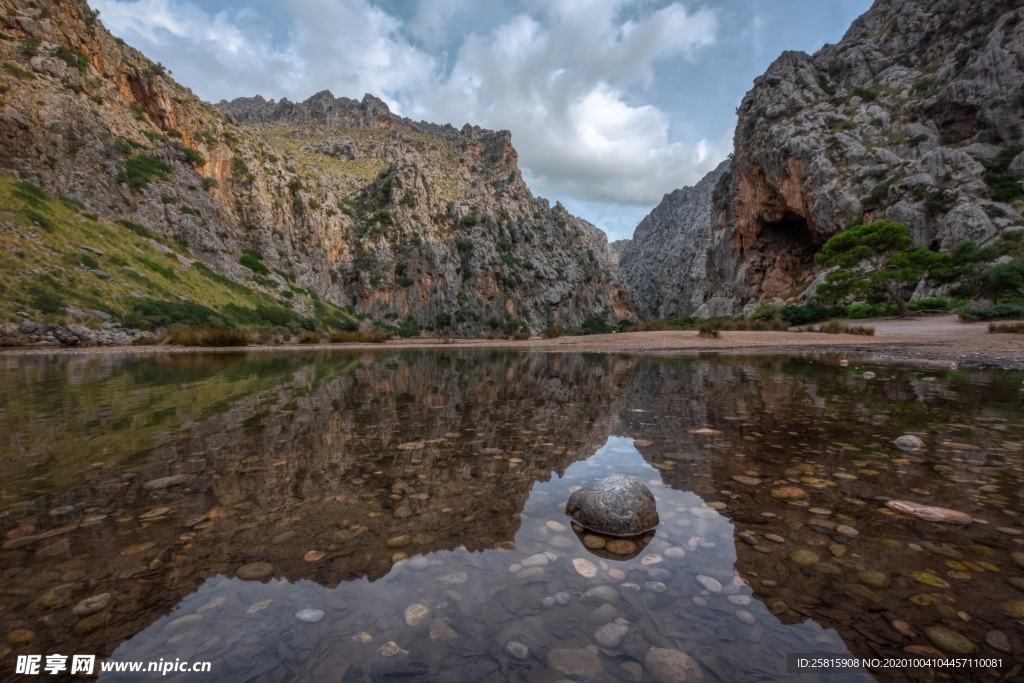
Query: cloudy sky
pixel 611 103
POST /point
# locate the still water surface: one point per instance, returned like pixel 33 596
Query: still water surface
pixel 190 507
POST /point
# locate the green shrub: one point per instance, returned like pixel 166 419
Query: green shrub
pixel 934 304
pixel 30 193
pixel 861 311
pixel 140 170
pixel 151 313
pixel 253 260
pixel 1004 185
pixel 804 314
pixel 409 328
pixel 17 72
pixel 1004 279
pixel 39 220
pixel 73 58
pixel 139 230
pixel 594 324
pixel 1002 311
pixel 46 300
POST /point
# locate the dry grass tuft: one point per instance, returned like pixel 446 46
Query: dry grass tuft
pixel 343 337
pixel 1006 328
pixel 836 327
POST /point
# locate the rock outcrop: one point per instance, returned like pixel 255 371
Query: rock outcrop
pixel 915 116
pixel 341 200
pixel 666 261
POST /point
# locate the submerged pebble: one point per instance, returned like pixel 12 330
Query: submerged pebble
pixel 310 616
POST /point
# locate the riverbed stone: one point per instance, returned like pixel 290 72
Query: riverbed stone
pixel 602 614
pixel 91 605
pixel 598 595
pixel 577 662
pixel 950 641
pixel 1014 608
pixel 610 635
pixel 909 442
pixel 788 493
pixel 517 650
pixel 620 546
pixel 440 630
pixel 254 571
pixel 804 557
pixel 184 623
pixel 998 641
pixel 874 579
pixel 20 636
pixel 666 665
pixel 711 585
pixel 310 616
pixel 415 614
pixel 618 505
pixel 584 568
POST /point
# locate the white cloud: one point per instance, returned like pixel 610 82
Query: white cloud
pixel 563 81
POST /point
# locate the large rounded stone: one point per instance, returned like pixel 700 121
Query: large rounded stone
pixel 667 666
pixel 618 505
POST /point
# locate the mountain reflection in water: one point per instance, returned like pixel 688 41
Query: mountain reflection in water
pixel 416 500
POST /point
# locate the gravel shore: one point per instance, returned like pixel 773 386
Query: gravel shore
pixel 932 340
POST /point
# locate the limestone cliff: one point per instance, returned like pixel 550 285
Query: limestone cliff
pixel 335 200
pixel 915 115
pixel 666 261
pixel 910 117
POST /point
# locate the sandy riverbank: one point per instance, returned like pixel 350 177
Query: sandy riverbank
pixel 939 340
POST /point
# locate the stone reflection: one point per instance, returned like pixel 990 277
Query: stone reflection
pixel 143 490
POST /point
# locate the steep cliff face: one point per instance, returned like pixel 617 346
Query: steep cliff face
pixel 339 200
pixel 666 261
pixel 912 117
pixel 916 116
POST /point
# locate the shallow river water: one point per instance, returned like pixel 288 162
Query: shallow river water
pixel 401 516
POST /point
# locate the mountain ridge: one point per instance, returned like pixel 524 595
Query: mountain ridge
pixel 369 213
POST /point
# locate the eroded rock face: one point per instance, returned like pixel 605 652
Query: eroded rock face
pixel 899 120
pixel 902 119
pixel 666 261
pixel 618 505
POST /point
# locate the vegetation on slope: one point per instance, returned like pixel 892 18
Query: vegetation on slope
pixel 56 257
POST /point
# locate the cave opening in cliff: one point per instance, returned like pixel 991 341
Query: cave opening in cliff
pixel 789 236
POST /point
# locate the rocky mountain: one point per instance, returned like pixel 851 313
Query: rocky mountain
pixel 666 261
pixel 327 205
pixel 915 115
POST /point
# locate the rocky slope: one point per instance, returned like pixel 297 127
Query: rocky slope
pixel 915 116
pixel 328 202
pixel 666 261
